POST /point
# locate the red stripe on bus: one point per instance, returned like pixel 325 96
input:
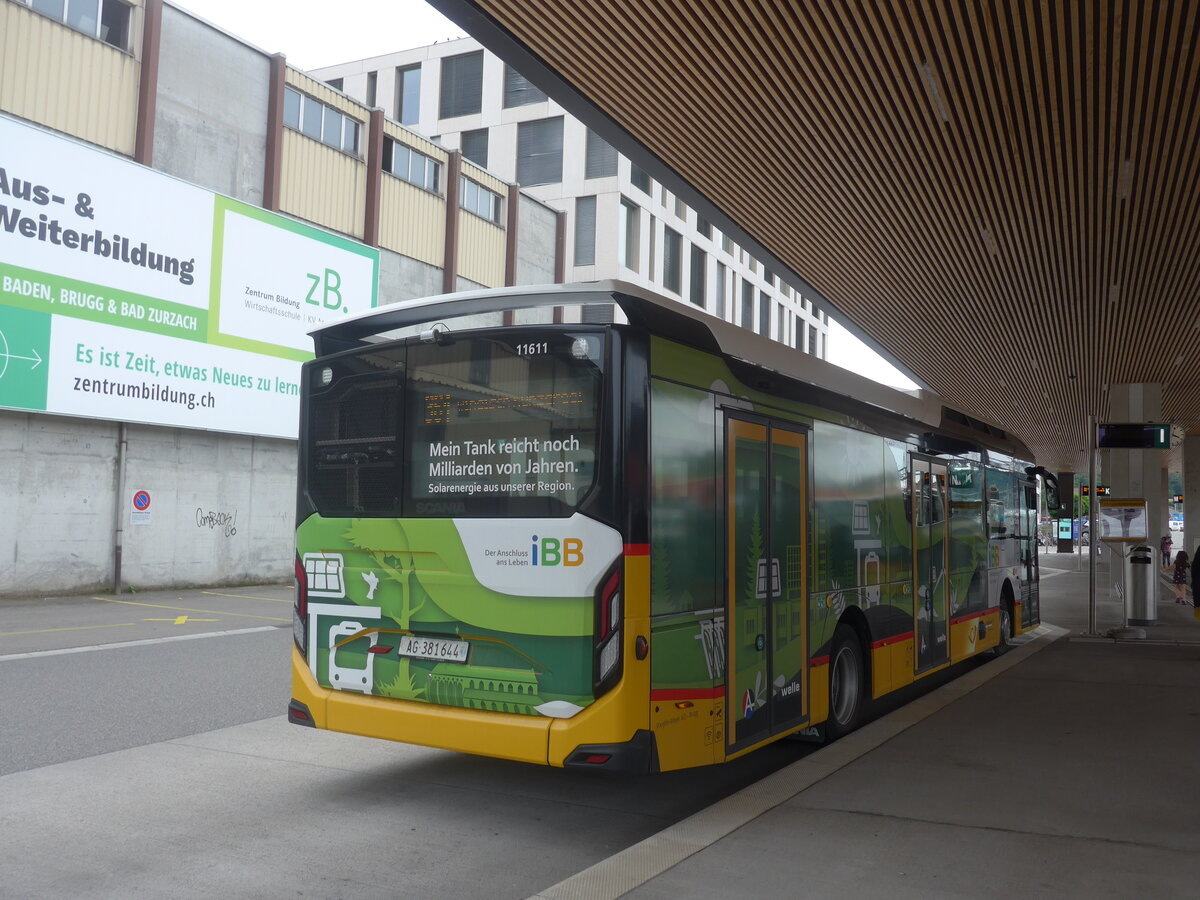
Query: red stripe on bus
pixel 894 639
pixel 688 693
pixel 969 616
pixel 818 661
pixel 637 549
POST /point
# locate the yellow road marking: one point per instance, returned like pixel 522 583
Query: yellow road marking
pixel 76 628
pixel 212 612
pixel 248 597
pixel 181 620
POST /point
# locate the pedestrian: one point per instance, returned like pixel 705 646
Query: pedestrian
pixel 1164 547
pixel 1180 576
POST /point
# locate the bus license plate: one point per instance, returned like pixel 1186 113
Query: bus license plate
pixel 433 648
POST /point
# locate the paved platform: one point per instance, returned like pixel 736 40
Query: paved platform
pixel 1067 768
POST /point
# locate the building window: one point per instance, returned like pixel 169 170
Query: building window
pixel 600 157
pixel 672 260
pixel 411 165
pixel 475 146
pixel 768 277
pixel 703 226
pixel 764 314
pixel 372 89
pixel 798 334
pixel 640 179
pixel 539 152
pixel 699 280
pixel 107 20
pixel 721 276
pixel 408 95
pixel 462 85
pixel 727 244
pixel 475 198
pixel 680 210
pixel 747 305
pixel 320 122
pixel 630 236
pixel 812 340
pixel 653 260
pixel 585 231
pixel 518 91
pixel 781 330
pixel 823 336
pixel 336 84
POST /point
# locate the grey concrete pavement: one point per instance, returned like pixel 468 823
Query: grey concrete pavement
pixel 1063 769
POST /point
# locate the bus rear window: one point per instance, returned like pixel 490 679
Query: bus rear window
pixel 503 426
pixel 497 426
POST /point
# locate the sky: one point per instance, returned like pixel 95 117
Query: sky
pixel 317 33
pixel 313 34
pixel 849 352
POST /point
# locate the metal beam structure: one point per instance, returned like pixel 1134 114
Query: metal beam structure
pixel 1000 195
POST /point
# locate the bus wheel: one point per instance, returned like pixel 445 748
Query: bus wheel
pixel 1006 631
pixel 846 683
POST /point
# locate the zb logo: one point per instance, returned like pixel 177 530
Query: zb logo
pixel 333 290
pixel 553 552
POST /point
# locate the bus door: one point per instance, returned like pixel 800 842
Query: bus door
pixel 767 684
pixel 1030 614
pixel 930 506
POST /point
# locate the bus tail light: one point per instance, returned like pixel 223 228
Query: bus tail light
pixel 300 610
pixel 608 633
pixel 610 605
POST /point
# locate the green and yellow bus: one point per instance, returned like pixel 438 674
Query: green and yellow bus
pixel 640 545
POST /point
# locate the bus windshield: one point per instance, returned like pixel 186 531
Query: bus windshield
pixel 498 425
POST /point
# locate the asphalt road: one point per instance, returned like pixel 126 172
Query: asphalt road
pixel 144 753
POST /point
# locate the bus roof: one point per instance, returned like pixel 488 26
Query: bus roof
pixel 672 319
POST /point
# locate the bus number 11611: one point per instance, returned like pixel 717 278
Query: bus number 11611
pixel 535 349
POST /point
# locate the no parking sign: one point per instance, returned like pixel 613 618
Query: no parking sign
pixel 140 513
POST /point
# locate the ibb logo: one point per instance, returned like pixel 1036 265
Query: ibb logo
pixel 553 552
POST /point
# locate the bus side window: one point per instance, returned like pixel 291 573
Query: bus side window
pixel 995 514
pixel 937 500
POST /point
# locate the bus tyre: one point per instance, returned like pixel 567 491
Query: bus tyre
pixel 846 682
pixel 1004 642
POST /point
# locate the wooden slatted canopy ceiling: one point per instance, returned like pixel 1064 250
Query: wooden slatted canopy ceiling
pixel 1001 194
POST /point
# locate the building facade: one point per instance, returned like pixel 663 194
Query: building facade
pixel 128 121
pixel 619 222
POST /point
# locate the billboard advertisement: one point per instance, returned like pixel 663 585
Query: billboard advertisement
pixel 130 295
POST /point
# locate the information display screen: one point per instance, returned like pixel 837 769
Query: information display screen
pixel 1123 520
pixel 1133 436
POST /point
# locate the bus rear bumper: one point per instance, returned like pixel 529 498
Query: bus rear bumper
pixel 485 733
pixel 637 756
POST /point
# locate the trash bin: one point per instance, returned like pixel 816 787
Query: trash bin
pixel 1141 596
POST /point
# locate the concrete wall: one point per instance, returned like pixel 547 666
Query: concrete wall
pixel 57 480
pixel 403 278
pixel 210 125
pixel 222 506
pixel 536 226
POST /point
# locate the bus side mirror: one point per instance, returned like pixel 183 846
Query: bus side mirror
pixel 1053 503
pixel 1050 483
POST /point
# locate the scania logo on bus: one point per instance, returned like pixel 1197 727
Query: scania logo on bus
pixel 444 508
pixel 553 552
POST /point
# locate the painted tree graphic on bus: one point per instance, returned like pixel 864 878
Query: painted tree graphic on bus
pixel 401 596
